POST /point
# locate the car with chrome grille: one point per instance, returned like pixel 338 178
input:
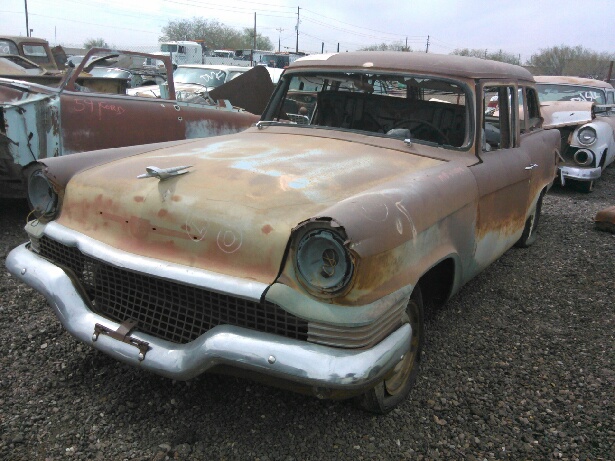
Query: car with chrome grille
pixel 583 109
pixel 304 251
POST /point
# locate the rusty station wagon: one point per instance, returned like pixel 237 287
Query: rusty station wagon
pixel 304 250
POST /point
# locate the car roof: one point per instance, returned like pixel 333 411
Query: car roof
pixel 216 67
pixel 566 80
pixel 19 39
pixel 429 63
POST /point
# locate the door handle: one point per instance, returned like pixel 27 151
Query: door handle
pixel 531 167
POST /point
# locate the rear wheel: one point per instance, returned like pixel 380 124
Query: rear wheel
pixel 396 387
pixel 531 226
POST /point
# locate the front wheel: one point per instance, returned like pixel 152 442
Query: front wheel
pixel 396 387
pixel 585 186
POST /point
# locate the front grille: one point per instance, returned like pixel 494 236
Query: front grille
pixel 166 309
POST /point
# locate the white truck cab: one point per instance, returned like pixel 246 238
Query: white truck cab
pixel 181 52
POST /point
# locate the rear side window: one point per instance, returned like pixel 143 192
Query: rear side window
pixel 36 53
pixel 8 47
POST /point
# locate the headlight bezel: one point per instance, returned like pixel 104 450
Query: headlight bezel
pixel 323 264
pixel 587 135
pixel 42 197
pixel 584 157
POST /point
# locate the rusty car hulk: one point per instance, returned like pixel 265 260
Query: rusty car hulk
pixel 583 109
pixel 303 251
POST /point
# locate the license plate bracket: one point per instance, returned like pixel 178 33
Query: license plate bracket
pixel 123 334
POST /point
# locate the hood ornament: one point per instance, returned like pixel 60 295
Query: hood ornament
pixel 164 173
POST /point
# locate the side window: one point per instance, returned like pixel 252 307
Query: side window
pixel 522 109
pixel 533 109
pixel 610 97
pixel 8 47
pixel 182 49
pixel 36 53
pixel 499 129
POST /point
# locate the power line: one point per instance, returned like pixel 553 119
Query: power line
pixel 351 25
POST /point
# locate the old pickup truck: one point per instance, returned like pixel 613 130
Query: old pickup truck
pixel 303 251
pixel 55 115
pixel 34 49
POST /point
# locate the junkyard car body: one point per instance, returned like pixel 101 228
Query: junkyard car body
pixel 35 49
pixel 293 250
pixel 584 112
pixel 194 78
pixel 13 64
pixel 76 113
pixel 134 79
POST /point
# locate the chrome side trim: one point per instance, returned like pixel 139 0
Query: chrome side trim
pixel 247 289
pixel 283 358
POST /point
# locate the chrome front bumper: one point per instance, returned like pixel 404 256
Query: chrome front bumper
pixel 282 358
pixel 579 174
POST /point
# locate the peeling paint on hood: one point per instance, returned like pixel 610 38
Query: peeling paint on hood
pixel 235 208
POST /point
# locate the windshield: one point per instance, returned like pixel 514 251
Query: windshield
pixel 202 76
pixel 424 109
pixel 109 73
pixel 168 48
pixel 552 92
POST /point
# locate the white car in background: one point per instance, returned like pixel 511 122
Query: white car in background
pixel 584 111
pixel 193 79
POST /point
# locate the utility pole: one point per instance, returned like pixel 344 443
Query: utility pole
pixel 254 47
pixel 279 33
pixel 427 47
pixel 297 29
pixel 27 25
pixel 406 44
pixel 322 48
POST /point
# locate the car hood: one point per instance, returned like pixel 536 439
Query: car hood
pixel 558 114
pixel 234 210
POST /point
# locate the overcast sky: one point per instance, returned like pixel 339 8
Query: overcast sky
pixel 520 27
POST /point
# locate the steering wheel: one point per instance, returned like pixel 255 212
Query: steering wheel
pixel 405 121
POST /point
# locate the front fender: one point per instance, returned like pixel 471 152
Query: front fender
pixel 605 138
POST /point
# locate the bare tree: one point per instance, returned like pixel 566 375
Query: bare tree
pixel 247 40
pixel 567 60
pixel 500 55
pixel 213 34
pixel 95 43
pixel 397 46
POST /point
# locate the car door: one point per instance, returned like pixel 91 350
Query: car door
pixel 543 164
pixel 502 175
